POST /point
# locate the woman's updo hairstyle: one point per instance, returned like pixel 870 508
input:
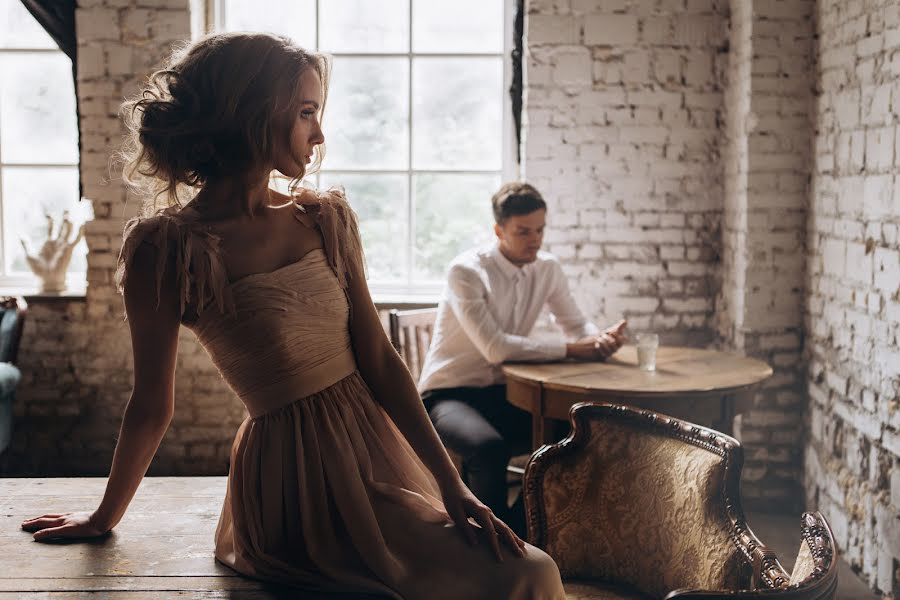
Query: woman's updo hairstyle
pixel 222 106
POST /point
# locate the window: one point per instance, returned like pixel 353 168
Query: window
pixel 38 146
pixel 417 125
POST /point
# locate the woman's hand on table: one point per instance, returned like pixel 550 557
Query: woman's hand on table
pixel 64 525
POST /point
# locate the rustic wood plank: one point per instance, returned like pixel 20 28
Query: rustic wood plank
pixel 116 555
pixel 157 505
pixel 91 486
pixel 284 594
pixel 87 584
pixel 133 525
pixel 162 549
pixel 153 595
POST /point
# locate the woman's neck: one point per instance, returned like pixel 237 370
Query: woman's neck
pixel 233 197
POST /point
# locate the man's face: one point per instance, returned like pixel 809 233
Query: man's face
pixel 521 236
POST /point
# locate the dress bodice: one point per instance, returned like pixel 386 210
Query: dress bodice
pixel 274 336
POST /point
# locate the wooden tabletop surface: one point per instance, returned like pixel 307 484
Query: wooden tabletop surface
pixel 162 549
pixel 679 370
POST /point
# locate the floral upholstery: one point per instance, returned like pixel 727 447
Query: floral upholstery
pixel 640 508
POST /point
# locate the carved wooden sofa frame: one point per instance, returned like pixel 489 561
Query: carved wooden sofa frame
pixel 761 574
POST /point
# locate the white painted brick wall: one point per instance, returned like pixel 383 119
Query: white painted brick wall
pixel 653 176
pixel 636 205
pixel 853 321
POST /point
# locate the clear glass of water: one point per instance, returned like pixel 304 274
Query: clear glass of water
pixel 647 343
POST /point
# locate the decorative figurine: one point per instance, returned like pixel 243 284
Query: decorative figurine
pixel 53 259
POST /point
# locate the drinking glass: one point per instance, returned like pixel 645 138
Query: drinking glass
pixel 647 343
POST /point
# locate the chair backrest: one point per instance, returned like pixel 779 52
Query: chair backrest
pixel 410 332
pixel 638 498
pixel 13 310
pixel 814 576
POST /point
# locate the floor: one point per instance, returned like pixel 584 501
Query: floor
pixel 174 518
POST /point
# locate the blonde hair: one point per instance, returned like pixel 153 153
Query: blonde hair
pixel 223 105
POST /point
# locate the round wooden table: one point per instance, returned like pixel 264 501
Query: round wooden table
pixel 684 384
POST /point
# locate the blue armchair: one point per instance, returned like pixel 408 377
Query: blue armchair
pixel 12 321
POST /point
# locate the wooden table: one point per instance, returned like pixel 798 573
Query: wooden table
pixel 162 549
pixel 684 384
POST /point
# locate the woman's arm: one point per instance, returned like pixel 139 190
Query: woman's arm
pixel 393 387
pixel 392 384
pixel 154 338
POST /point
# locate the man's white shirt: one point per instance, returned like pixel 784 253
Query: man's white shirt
pixel 488 309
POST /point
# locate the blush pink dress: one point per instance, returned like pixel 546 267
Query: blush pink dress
pixel 324 492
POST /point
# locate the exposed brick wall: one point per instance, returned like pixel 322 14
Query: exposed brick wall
pixel 623 108
pixel 853 324
pixel 76 355
pixel 671 139
pixel 769 124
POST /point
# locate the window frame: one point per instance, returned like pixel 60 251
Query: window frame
pixel 18 283
pixel 412 290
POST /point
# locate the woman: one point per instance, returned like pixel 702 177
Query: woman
pixel 338 481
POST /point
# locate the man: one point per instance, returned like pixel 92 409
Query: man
pixel 492 299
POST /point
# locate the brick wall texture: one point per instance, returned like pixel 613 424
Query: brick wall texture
pixel 722 172
pixel 672 138
pixel 76 355
pixel 853 302
pixel 623 108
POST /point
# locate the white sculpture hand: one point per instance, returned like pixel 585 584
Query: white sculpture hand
pixel 53 258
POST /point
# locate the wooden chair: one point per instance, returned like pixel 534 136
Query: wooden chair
pixel 637 505
pixel 410 332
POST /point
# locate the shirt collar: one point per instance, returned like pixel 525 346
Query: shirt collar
pixel 508 269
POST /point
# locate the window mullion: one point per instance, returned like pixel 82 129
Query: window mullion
pixel 410 190
pixel 318 22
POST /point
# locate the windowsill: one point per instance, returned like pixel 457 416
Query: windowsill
pixel 30 290
pixel 382 301
pixel 387 295
pixel 38 297
pixel 385 300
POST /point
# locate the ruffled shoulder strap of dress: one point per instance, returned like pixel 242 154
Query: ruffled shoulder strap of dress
pixel 340 230
pixel 184 245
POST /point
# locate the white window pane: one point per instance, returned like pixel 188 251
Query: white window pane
pixel 464 26
pixel 18 29
pixel 295 18
pixel 366 118
pixel 364 25
pixel 381 203
pixel 27 194
pixel 453 214
pixel 37 109
pixel 457 113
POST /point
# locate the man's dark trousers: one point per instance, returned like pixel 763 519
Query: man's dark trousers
pixel 485 430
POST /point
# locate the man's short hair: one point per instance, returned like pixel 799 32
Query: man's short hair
pixel 516 198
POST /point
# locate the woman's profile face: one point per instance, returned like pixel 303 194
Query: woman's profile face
pixel 306 132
